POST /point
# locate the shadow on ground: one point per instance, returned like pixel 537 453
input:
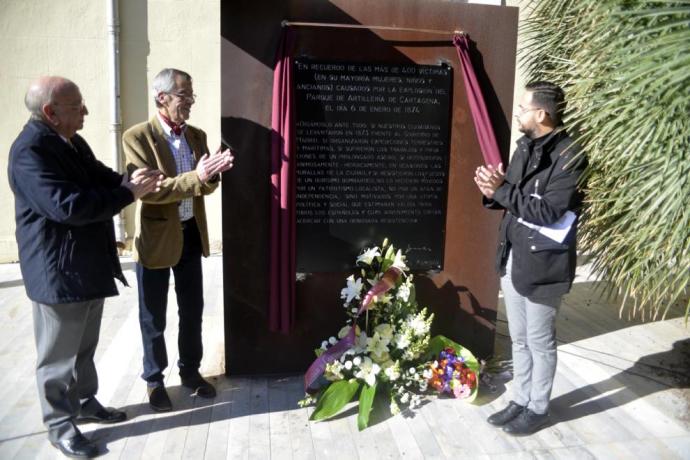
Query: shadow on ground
pixel 648 375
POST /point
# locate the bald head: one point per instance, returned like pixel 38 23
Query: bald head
pixel 44 91
pixel 56 101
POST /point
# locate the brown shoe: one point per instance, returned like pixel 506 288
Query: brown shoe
pixel 159 399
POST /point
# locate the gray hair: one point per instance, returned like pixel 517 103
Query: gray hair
pixel 164 82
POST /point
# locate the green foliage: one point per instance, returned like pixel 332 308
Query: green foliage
pixel 334 398
pixel 366 400
pixel 625 66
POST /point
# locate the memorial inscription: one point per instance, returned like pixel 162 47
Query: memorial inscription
pixel 372 161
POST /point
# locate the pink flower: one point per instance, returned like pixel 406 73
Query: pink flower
pixel 461 391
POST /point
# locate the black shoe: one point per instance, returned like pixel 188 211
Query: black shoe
pixel 526 423
pixel 505 415
pixel 93 411
pixel 77 447
pixel 159 399
pixel 200 386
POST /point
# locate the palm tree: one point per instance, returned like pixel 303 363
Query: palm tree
pixel 625 66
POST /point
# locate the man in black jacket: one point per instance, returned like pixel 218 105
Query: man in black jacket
pixel 536 252
pixel 64 203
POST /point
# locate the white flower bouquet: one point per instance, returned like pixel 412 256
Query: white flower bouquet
pixel 383 350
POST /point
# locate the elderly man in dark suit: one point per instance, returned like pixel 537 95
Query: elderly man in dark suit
pixel 64 203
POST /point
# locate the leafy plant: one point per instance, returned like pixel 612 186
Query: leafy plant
pixel 625 66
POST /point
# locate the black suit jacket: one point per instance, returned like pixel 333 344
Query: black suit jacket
pixel 64 203
pixel 539 187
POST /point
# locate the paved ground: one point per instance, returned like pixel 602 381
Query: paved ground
pixel 621 391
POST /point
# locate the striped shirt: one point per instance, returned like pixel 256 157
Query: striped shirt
pixel 184 162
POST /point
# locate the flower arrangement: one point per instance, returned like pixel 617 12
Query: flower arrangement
pixel 384 349
pixel 452 374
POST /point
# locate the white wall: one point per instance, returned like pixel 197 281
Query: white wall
pixel 69 38
pixel 519 74
pixel 36 38
pixel 184 34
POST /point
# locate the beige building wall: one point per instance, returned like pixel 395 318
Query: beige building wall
pixel 184 34
pixel 37 38
pixel 70 38
pixel 520 80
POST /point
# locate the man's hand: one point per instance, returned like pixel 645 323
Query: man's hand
pixel 143 181
pixel 210 165
pixel 489 178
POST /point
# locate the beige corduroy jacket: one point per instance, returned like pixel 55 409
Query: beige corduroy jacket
pixel 158 232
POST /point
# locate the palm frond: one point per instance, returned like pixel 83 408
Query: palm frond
pixel 625 66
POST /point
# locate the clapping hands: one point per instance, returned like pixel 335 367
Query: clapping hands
pixel 210 165
pixel 143 181
pixel 489 178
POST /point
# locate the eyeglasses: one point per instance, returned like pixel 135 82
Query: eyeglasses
pixel 523 110
pixel 188 97
pixel 76 105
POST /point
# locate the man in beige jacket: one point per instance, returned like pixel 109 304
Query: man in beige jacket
pixel 171 231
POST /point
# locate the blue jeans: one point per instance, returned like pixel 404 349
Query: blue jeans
pixel 532 326
pixel 153 302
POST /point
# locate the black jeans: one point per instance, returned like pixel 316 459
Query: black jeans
pixel 153 302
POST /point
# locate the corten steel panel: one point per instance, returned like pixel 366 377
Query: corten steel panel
pixel 464 295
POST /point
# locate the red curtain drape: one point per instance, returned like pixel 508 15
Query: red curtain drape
pixel 281 309
pixel 480 116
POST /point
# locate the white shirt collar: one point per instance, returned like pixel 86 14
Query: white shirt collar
pixel 166 129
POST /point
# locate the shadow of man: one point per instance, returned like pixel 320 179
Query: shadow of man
pixel 237 398
pixel 650 374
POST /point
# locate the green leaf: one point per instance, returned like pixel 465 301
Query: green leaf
pixel 388 258
pixel 386 265
pixel 334 398
pixel 390 253
pixel 624 66
pixel 318 351
pixel 413 294
pixel 366 401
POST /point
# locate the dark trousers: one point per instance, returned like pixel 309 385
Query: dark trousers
pixel 153 302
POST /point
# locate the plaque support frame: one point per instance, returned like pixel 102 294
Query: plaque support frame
pixel 285 23
pixel 463 295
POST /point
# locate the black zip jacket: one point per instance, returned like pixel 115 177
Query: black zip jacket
pixel 541 184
